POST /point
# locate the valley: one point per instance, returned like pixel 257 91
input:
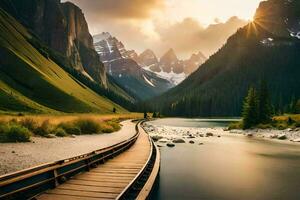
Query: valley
pixel 158 99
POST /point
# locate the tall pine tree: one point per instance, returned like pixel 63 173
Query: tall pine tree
pixel 250 109
pixel 264 104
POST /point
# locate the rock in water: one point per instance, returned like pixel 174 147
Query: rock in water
pixel 155 138
pixel 209 134
pixel 163 141
pixel 178 141
pixel 282 137
pixel 171 145
pixel 296 140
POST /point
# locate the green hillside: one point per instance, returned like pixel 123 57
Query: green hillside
pixel 31 82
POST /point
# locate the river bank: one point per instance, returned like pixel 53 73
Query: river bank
pixel 213 163
pixel 18 156
pixel 168 134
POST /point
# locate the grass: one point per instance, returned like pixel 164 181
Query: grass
pixel 60 132
pixel 13 132
pixel 278 122
pixel 21 128
pixel 87 126
pixel 47 87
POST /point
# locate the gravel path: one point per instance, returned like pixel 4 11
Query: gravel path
pixel 18 156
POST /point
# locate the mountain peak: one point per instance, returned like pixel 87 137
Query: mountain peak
pixel 101 36
pixel 170 55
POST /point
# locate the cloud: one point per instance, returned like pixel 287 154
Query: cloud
pixel 119 9
pixel 188 36
pixel 142 24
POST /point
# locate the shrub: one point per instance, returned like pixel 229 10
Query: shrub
pixel 106 128
pixel 29 123
pixel 59 132
pixel 3 131
pixel 17 133
pixel 281 126
pixel 70 128
pixel 44 129
pixel 264 126
pixel 116 125
pixel 87 126
pixel 235 125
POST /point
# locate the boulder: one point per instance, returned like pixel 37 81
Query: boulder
pixel 282 137
pixel 50 136
pixel 155 138
pixel 191 142
pixel 209 134
pixel 163 141
pixel 273 136
pixel 296 140
pixel 171 145
pixel 200 143
pixel 179 140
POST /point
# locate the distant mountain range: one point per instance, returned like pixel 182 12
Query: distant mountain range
pixel 121 64
pixel 266 49
pixel 168 67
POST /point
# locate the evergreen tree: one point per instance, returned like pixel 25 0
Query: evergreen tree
pixel 250 109
pixel 297 107
pixel 114 110
pixel 264 104
pixel 292 106
pixel 154 115
pixel 145 115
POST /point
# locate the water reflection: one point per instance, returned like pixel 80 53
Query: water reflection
pixel 230 167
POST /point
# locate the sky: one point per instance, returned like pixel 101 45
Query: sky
pixel 187 26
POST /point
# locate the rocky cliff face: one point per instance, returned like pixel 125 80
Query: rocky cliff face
pixel 62 27
pixel 280 17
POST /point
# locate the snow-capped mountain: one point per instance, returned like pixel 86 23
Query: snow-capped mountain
pixel 121 64
pixel 169 66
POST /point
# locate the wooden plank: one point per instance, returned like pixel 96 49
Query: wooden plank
pixel 94 183
pixel 101 180
pixel 110 175
pixel 81 193
pixel 66 197
pixel 107 177
pixel 90 188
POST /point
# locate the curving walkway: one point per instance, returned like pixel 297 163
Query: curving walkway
pixel 107 181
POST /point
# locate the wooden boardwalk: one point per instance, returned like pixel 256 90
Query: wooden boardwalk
pixel 107 181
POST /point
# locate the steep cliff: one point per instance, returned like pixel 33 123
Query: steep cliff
pixel 62 26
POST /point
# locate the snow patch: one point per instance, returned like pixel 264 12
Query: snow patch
pixel 149 82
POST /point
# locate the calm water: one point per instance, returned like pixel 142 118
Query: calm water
pixel 228 168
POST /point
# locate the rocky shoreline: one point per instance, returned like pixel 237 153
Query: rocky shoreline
pixel 170 136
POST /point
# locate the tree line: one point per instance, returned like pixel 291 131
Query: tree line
pixel 258 108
